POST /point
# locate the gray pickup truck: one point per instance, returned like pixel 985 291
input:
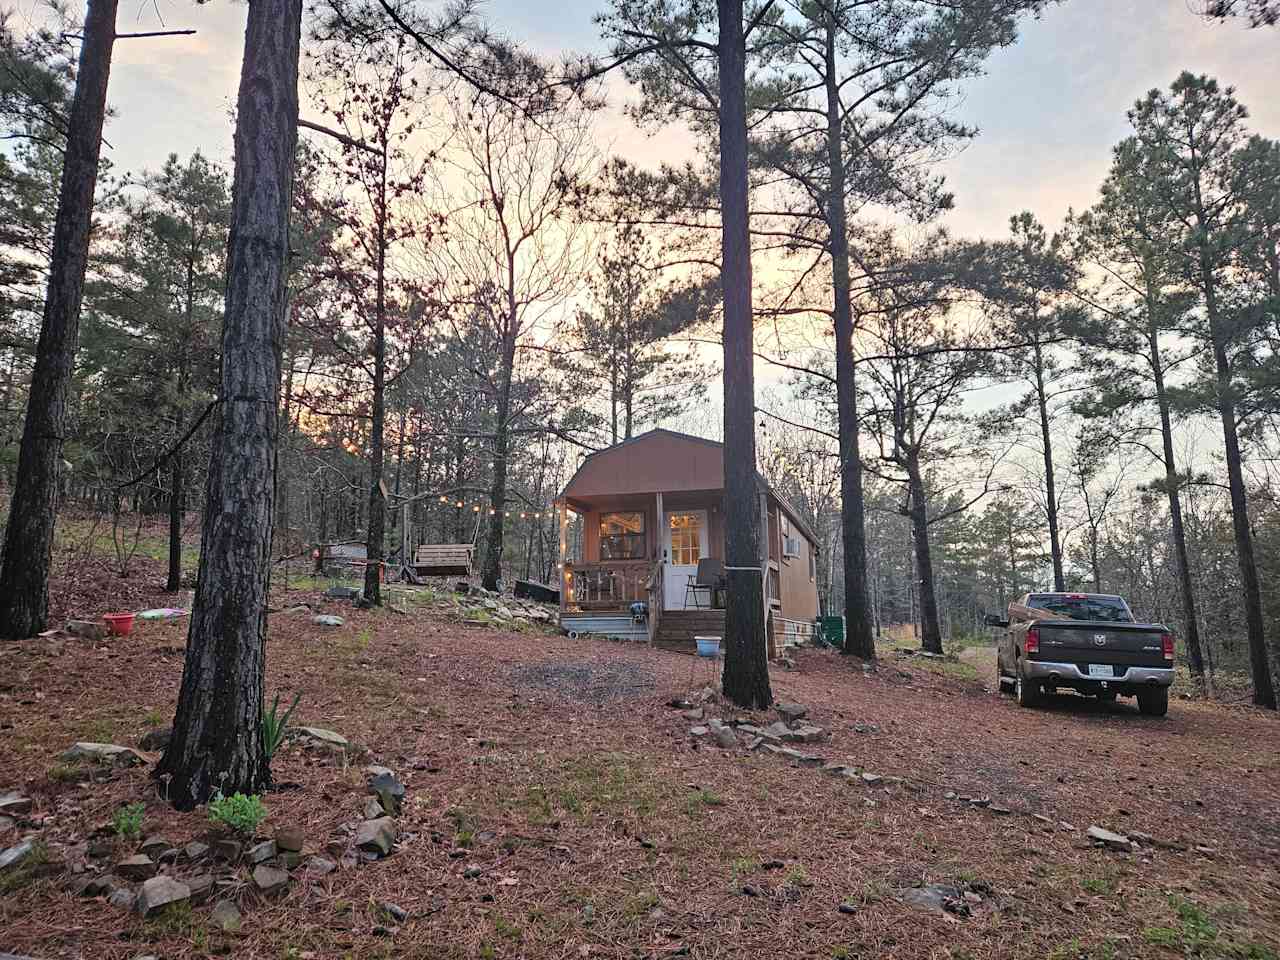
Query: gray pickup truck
pixel 1087 642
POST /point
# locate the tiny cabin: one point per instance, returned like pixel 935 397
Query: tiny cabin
pixel 648 514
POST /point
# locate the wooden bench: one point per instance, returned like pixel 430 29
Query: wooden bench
pixel 443 560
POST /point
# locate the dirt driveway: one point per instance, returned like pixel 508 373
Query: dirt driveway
pixel 558 807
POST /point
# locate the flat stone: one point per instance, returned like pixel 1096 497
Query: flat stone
pixel 754 743
pixel 289 838
pixel 154 846
pixel 327 620
pixel 396 912
pixel 195 850
pixel 472 871
pixel 679 703
pixel 122 898
pixel 16 854
pixel 791 712
pixel 111 753
pixel 725 737
pixel 201 888
pixel 322 736
pixel 389 791
pixel 1112 841
pixel 156 739
pixel 288 859
pixel 14 803
pixel 319 867
pixel 806 734
pixel 158 892
pixel 337 592
pixel 776 731
pixel 847 908
pixel 698 731
pixel 372 809
pixel 226 916
pixel 695 714
pixel 375 770
pixel 871 778
pixel 935 898
pixel 269 879
pixel 834 769
pixel 377 836
pixel 96 887
pixel 1000 810
pixel 261 852
pixel 87 630
pixel 7 823
pixel 228 850
pixel 139 867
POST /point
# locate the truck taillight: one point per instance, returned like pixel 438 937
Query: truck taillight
pixel 1166 641
pixel 1032 644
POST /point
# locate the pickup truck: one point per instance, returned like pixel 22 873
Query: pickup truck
pixel 1087 642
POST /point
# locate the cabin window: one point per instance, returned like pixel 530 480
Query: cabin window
pixel 622 536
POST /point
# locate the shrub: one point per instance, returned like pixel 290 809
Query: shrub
pixel 127 821
pixel 274 725
pixel 242 814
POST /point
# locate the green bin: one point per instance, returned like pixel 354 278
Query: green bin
pixel 831 629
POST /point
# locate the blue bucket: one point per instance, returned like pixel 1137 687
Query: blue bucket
pixel 708 646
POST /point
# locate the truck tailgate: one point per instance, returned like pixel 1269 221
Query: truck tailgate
pixel 1084 642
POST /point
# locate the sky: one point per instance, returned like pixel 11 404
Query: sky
pixel 1049 108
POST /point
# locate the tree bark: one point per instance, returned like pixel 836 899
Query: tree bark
pixel 930 631
pixel 1050 488
pixel 1264 694
pixel 501 449
pixel 746 665
pixel 375 543
pixel 217 743
pixel 859 639
pixel 176 497
pixel 1191 622
pixel 28 543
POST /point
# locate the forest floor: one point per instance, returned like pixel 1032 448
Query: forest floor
pixel 558 807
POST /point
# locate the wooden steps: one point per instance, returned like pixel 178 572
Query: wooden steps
pixel 677 628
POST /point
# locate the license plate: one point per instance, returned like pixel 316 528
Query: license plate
pixel 1101 670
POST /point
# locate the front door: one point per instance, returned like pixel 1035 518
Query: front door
pixel 685 543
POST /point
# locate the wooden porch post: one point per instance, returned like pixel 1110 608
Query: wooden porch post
pixel 563 507
pixel 764 573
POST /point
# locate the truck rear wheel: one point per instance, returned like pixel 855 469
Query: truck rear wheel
pixel 1027 692
pixel 1154 702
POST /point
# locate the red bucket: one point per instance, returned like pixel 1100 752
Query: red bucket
pixel 119 623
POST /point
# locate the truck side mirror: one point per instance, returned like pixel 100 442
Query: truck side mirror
pixel 995 620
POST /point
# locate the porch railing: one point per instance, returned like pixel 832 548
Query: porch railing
pixel 614 585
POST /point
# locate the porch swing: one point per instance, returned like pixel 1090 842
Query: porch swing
pixel 435 559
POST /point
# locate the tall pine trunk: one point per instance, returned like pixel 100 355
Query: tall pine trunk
pixel 746 665
pixel 375 543
pixel 177 494
pixel 859 638
pixel 217 742
pixel 917 507
pixel 28 542
pixel 501 449
pixel 1191 622
pixel 1050 487
pixel 1264 694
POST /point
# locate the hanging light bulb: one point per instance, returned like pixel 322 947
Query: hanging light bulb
pixel 476 508
pixel 459 504
pixel 443 499
pixel 491 511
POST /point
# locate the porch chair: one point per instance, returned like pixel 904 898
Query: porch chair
pixel 710 577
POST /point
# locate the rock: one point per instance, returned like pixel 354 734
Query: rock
pixel 154 846
pixel 288 859
pixel 139 867
pixel 320 867
pixel 750 890
pixel 384 931
pixel 773 865
pixel 776 731
pixel 377 836
pixel 16 854
pixel 695 714
pixel 389 791
pixel 323 737
pixel 122 898
pixel 374 770
pixel 754 742
pixel 871 778
pixel 158 892
pixel 847 908
pixel 156 739
pixel 111 753
pixel 202 887
pixel 472 871
pixel 225 916
pixel 805 734
pixel 96 887
pixel 396 912
pixel 7 823
pixel 791 712
pixel 1105 838
pixel 338 592
pixel 327 620
pixel 261 852
pixel 14 803
pixel 289 838
pixel 834 769
pixel 937 898
pixel 698 731
pixel 269 879
pixel 865 728
pixel 87 630
pixel 998 809
pixel 195 850
pixel 372 809
pixel 228 850
pixel 679 703
pixel 724 736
